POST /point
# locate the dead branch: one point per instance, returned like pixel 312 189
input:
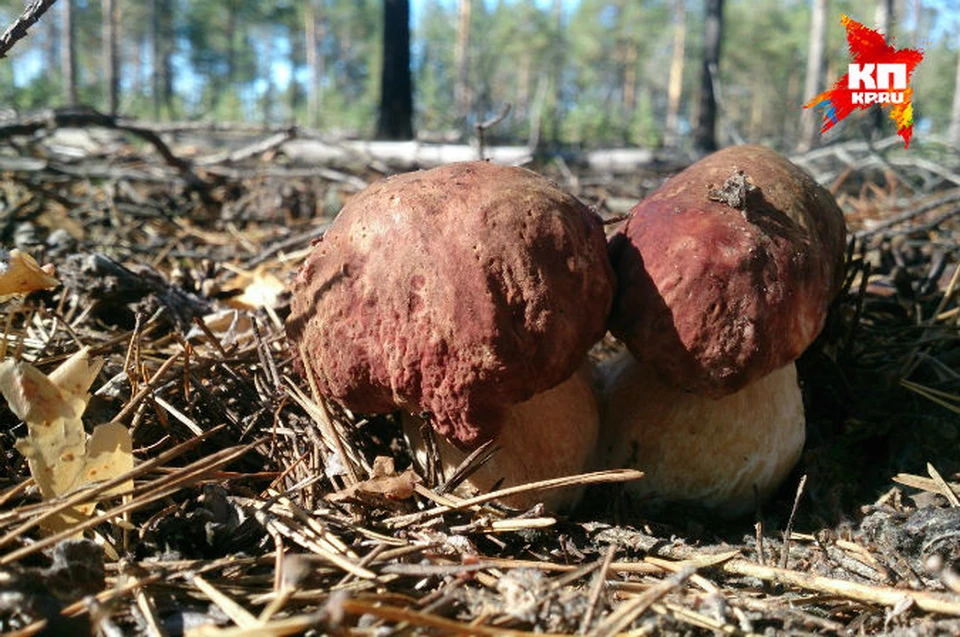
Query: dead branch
pixel 87 117
pixel 258 148
pixel 18 30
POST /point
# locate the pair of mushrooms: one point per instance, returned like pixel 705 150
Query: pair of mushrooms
pixel 467 297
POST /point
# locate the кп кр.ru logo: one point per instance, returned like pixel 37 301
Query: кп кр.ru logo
pixel 864 80
pixel 880 75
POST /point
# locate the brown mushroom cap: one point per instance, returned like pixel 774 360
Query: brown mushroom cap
pixel 725 273
pixel 454 291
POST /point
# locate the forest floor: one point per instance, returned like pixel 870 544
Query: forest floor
pixel 257 510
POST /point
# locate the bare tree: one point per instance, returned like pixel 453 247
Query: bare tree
pixel 313 30
pixel 954 132
pixel 705 134
pixel 557 73
pixel 883 17
pixel 811 85
pixel 675 81
pixel 396 86
pixel 161 36
pixel 462 87
pixel 111 65
pixel 68 57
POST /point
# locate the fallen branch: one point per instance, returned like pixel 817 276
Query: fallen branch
pixel 87 117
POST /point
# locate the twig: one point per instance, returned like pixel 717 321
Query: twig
pixel 943 486
pixel 621 618
pixel 482 128
pixel 158 490
pixel 298 240
pixel 257 148
pixel 596 477
pixel 427 620
pixel 913 213
pixel 18 30
pixel 793 516
pixel 597 588
pixel 866 593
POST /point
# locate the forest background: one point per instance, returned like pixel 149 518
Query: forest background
pixel 577 73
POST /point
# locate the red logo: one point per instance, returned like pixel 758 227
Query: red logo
pixel 880 75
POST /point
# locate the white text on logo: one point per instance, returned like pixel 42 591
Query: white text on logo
pixel 864 80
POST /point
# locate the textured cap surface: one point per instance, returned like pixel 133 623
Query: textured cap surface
pixel 454 291
pixel 725 273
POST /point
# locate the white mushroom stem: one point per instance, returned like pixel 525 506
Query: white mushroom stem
pixel 719 454
pixel 551 435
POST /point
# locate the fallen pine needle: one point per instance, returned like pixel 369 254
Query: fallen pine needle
pixel 596 477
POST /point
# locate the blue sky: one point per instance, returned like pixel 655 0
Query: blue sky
pixel 28 67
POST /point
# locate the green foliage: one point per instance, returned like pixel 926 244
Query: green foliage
pixel 584 72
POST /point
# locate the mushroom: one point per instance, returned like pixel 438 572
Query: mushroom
pixel 467 295
pixel 725 274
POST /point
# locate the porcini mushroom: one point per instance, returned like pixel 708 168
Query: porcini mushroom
pixel 469 295
pixel 725 274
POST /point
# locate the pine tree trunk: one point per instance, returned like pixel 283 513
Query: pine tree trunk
pixel 675 81
pixel 954 131
pixel 883 18
pixel 155 42
pixel 166 57
pixel 705 134
pixel 557 74
pixel 313 31
pixel 396 87
pixel 462 61
pixel 111 65
pixel 68 58
pixel 631 54
pixel 809 130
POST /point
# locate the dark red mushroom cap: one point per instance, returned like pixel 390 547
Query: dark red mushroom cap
pixel 455 291
pixel 725 273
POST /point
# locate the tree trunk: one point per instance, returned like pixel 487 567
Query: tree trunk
pixel 462 60
pixel 166 57
pixel 52 42
pixel 631 54
pixel 557 74
pixel 68 58
pixel 111 64
pixel 313 30
pixel 162 76
pixel 675 81
pixel 809 129
pixel 883 18
pixel 954 131
pixel 705 134
pixel 396 86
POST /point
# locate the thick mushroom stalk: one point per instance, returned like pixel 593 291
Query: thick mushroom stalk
pixel 456 293
pixel 720 454
pixel 724 274
pixel 553 434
